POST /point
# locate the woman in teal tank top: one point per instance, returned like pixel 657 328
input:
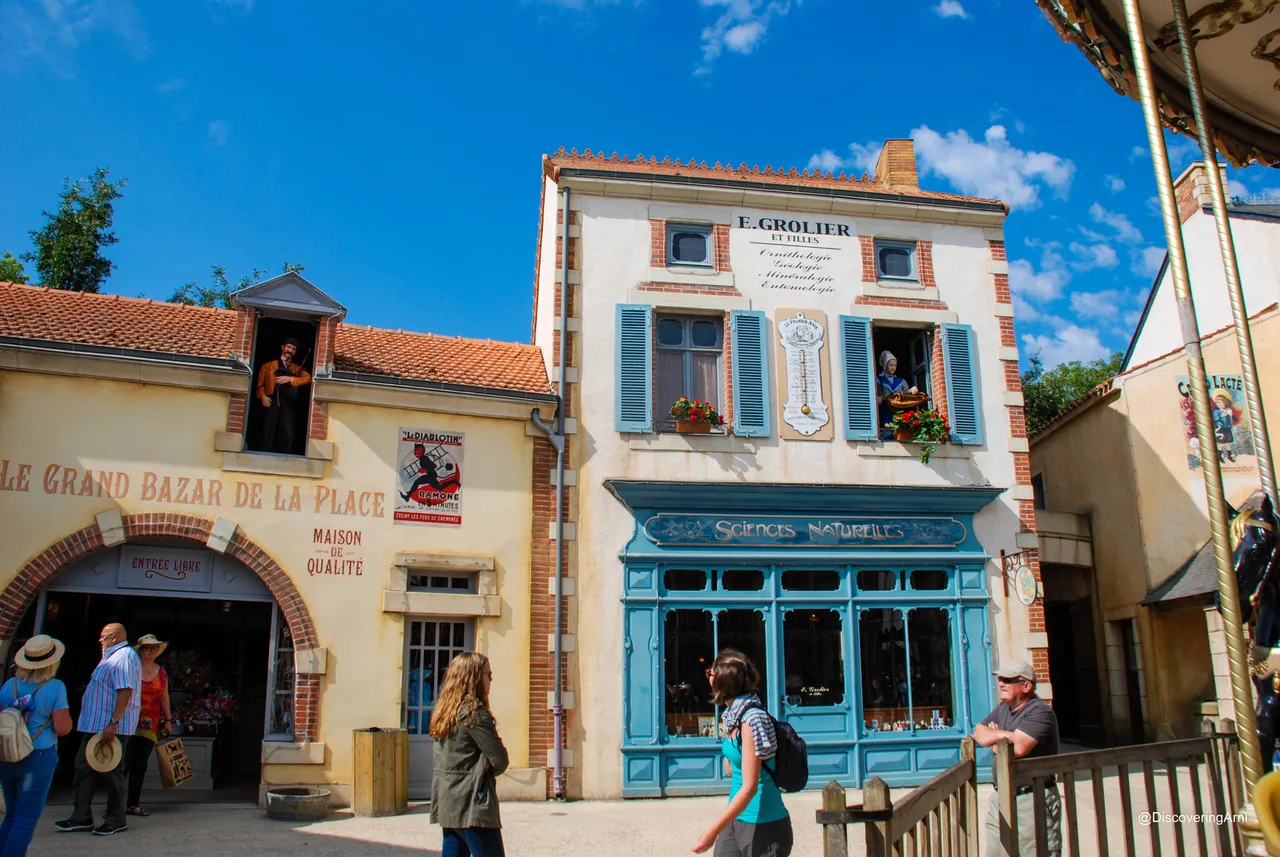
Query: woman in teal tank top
pixel 755 823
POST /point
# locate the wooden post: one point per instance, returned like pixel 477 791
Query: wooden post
pixel 835 837
pixel 971 822
pixel 380 781
pixel 1007 798
pixel 875 798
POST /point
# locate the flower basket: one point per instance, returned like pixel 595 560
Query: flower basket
pixel 695 417
pixel 923 426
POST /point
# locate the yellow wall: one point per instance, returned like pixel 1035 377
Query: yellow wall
pixel 136 428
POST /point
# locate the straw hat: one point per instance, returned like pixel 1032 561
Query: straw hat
pixel 102 757
pixel 40 651
pixel 150 640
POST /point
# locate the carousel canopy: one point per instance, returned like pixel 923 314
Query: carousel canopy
pixel 1237 43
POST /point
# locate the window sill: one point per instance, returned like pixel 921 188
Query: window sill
pixel 692 276
pixel 691 443
pixel 273 465
pixel 440 603
pixel 911 289
pixel 893 449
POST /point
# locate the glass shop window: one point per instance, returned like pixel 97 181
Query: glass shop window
pixel 684 580
pixel 688 652
pixel 744 630
pixel 888 705
pixel 929 636
pixel 813 657
pixel 280 695
pixel 877 580
pixel 742 580
pixel 929 579
pixel 811 580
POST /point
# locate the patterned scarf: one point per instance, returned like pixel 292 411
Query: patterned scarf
pixel 757 719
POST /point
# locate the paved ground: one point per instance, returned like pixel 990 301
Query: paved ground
pixel 667 827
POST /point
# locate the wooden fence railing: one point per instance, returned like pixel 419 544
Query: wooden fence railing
pixel 942 818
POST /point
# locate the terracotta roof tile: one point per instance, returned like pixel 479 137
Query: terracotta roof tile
pixel 792 177
pixel 31 312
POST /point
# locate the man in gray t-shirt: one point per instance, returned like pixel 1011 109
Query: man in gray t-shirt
pixel 1029 723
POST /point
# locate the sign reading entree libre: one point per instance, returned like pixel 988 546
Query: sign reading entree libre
pixel 673 530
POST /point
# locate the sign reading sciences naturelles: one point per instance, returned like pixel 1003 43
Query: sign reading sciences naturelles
pixel 429 478
pixel 673 530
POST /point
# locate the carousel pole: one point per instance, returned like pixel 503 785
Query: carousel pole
pixel 1241 688
pixel 1227 246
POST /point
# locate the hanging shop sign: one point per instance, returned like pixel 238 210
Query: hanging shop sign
pixel 674 530
pixel 1024 583
pixel 170 569
pixel 806 388
pixel 429 480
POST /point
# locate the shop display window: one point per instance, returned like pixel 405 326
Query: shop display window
pixel 877 580
pixel 280 697
pixel 813 655
pixel 691 640
pixel 924 579
pixel 894 646
pixel 742 580
pixel 684 580
pixel 811 580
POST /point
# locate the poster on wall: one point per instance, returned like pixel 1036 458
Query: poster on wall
pixel 429 478
pixel 1231 425
pixel 804 385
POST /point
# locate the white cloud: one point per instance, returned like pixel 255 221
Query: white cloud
pixel 1135 153
pixel 170 86
pixel 1115 183
pixel 1024 311
pixel 740 28
pixel 1103 304
pixel 1044 285
pixel 861 159
pixel 1132 318
pixel 992 167
pixel 1236 188
pixel 219 131
pixel 1089 256
pixel 950 9
pixel 1182 152
pixel 1124 228
pixel 1146 261
pixel 1067 342
pixel 53 30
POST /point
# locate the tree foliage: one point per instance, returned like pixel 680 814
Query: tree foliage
pixel 11 270
pixel 220 289
pixel 1048 393
pixel 68 248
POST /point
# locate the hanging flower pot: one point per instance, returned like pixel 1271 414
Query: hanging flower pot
pixel 904 435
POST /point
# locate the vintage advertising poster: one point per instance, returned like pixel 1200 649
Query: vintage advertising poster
pixel 429 478
pixel 804 385
pixel 1231 425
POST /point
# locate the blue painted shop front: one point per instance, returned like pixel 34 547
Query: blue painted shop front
pixel 865 608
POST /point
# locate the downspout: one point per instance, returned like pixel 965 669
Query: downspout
pixel 556 437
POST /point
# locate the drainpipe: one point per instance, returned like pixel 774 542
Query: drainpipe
pixel 556 436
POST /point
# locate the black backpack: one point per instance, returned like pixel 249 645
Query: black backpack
pixel 790 769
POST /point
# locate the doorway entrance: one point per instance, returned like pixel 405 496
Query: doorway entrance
pixel 430 646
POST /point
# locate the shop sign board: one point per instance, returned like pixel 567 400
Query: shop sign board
pixel 837 531
pixel 171 569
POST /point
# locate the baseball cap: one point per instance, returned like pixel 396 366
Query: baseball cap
pixel 1016 669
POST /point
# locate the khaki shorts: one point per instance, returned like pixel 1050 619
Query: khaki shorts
pixel 1027 824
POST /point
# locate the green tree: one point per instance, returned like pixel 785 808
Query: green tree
pixel 1047 394
pixel 69 246
pixel 11 270
pixel 220 290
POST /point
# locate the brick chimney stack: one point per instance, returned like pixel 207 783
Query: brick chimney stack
pixel 897 164
pixel 1191 189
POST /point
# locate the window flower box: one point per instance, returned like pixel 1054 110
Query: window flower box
pixel 923 426
pixel 695 417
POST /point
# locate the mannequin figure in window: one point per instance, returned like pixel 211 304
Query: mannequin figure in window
pixel 427 468
pixel 277 390
pixel 887 383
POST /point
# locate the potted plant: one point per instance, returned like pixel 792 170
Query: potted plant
pixel 695 417
pixel 923 426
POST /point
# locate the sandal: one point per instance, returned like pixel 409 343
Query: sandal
pixel 137 810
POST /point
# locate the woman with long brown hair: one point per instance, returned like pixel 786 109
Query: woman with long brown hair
pixel 468 758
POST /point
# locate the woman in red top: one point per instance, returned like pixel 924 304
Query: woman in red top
pixel 153 720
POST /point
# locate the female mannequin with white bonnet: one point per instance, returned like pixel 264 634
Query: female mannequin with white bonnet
pixel 887 383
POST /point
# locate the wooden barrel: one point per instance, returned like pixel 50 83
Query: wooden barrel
pixel 380 780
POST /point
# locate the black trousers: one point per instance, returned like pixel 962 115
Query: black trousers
pixel 279 427
pixel 136 756
pixel 115 780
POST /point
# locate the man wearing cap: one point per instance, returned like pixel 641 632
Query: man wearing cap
pixel 1029 723
pixel 108 715
pixel 277 391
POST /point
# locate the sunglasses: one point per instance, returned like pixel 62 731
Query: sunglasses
pixel 1014 680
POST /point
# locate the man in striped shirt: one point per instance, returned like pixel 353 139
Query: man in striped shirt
pixel 111 705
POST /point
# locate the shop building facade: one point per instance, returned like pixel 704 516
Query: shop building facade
pixel 321 572
pixel 869 587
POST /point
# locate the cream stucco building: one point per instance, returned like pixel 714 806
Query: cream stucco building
pixel 868 586
pixel 325 585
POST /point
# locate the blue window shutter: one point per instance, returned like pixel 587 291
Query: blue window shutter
pixel 750 374
pixel 635 368
pixel 960 359
pixel 859 378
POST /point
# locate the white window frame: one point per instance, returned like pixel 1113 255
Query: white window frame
pixel 896 244
pixel 708 232
pixel 277 617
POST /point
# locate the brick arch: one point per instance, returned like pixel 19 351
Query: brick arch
pixel 22 590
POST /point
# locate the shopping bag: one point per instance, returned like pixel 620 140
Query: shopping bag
pixel 175 767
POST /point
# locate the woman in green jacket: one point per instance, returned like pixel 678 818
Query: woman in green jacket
pixel 469 756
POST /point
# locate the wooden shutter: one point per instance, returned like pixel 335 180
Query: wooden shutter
pixel 750 374
pixel 635 368
pixel 860 413
pixel 960 360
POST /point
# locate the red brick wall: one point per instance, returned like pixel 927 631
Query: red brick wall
pixel 244 337
pixel 869 273
pixel 937 368
pixel 237 407
pixel 924 264
pixel 721 235
pixel 658 243
pixel 876 300
pixel 319 428
pixel 691 289
pixel 726 409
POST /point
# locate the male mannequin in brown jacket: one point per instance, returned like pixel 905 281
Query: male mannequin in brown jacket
pixel 277 390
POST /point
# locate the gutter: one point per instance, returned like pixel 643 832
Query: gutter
pixel 163 358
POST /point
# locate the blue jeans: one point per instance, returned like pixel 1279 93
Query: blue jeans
pixel 472 842
pixel 25 786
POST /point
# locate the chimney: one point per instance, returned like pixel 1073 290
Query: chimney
pixel 1191 190
pixel 897 164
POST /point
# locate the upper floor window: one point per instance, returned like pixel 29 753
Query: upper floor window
pixel 1037 488
pixel 689 245
pixel 896 260
pixel 280 404
pixel 688 363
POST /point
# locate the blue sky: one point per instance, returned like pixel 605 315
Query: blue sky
pixel 394 149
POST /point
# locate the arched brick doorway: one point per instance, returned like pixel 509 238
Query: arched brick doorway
pixel 22 590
